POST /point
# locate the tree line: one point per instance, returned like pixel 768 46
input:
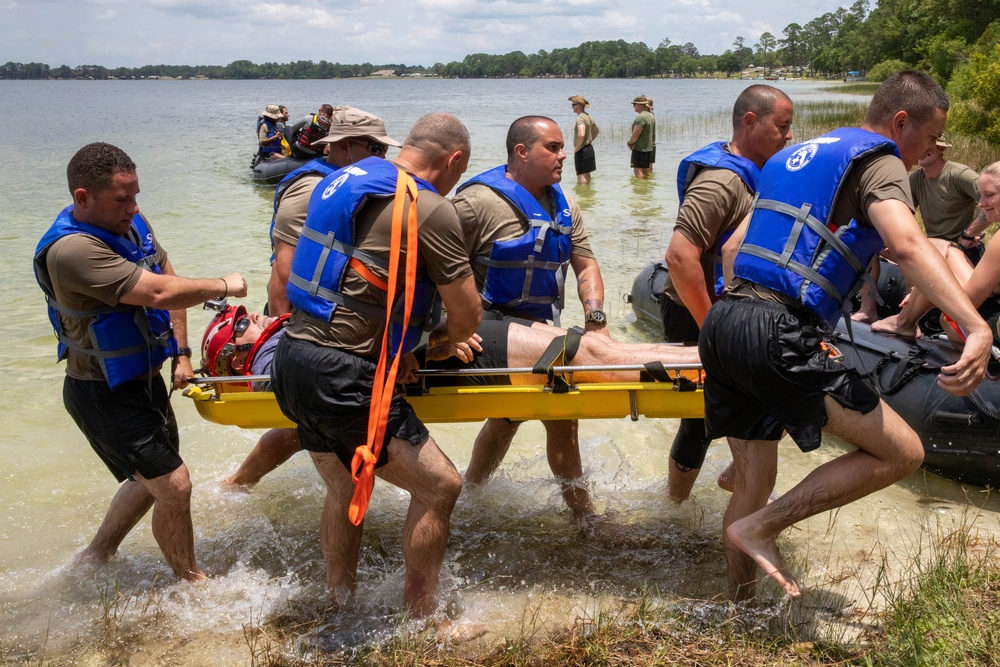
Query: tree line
pixel 934 35
pixel 958 41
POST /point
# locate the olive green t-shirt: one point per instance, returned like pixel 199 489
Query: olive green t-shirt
pixel 442 257
pixel 715 202
pixel 487 217
pixel 948 203
pixel 86 274
pixel 292 209
pixel 647 140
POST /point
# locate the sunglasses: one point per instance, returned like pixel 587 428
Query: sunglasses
pixel 374 147
pixel 241 326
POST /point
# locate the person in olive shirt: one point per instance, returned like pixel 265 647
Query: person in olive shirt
pixel 327 362
pixel 717 193
pixel 584 133
pixel 110 286
pixel 491 219
pixel 642 141
pixel 768 368
pixel 947 194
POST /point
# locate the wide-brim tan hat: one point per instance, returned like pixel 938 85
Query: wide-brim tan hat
pixel 642 99
pixel 272 111
pixel 350 123
pixel 941 143
pixel 579 99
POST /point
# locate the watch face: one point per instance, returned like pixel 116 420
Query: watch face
pixel 597 317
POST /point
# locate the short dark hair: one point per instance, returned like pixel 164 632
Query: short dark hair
pixel 439 134
pixel 759 98
pixel 916 93
pixel 93 167
pixel 326 108
pixel 524 130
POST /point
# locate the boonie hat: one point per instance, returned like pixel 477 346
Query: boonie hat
pixel 273 111
pixel 350 122
pixel 579 99
pixel 642 99
pixel 941 143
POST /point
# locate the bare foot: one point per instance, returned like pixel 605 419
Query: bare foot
pixel 456 634
pixel 892 325
pixel 865 316
pixel 764 551
pixel 726 481
pixel 89 557
pixel 230 484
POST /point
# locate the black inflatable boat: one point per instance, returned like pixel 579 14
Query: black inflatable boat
pixel 961 436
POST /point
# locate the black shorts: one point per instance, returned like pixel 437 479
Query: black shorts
pixel 327 393
pixel 643 159
pixel 584 160
pixel 679 325
pixel 494 355
pixel 132 427
pixel 767 372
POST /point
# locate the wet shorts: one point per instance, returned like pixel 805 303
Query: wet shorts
pixel 767 372
pixel 327 393
pixel 643 159
pixel 132 428
pixel 584 160
pixel 494 355
pixel 679 325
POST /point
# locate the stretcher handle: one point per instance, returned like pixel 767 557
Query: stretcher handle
pixel 472 371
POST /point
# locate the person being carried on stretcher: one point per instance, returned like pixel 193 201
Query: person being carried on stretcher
pixel 240 343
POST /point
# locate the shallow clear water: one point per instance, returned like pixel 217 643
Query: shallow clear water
pixel 515 556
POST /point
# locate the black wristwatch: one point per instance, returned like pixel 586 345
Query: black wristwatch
pixel 183 352
pixel 597 317
pixel 967 237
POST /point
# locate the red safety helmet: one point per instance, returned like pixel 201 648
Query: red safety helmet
pixel 219 343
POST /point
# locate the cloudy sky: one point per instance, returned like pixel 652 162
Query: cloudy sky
pixel 117 33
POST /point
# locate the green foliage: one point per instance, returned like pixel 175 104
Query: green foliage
pixel 976 86
pixel 885 69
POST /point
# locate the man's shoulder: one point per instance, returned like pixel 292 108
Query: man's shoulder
pixel 958 170
pixel 79 247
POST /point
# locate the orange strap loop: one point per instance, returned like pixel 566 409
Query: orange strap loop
pixel 366 455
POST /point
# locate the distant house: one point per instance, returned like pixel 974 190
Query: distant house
pixel 385 72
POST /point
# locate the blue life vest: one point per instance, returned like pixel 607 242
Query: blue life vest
pixel 715 156
pixel 527 275
pixel 129 341
pixel 790 246
pixel 317 166
pixel 274 146
pixel 326 250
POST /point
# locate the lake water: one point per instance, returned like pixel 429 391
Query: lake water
pixel 514 554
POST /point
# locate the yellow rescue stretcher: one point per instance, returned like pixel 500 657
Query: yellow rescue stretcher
pixel 221 401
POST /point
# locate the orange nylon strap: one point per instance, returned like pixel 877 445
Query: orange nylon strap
pixel 367 274
pixel 366 456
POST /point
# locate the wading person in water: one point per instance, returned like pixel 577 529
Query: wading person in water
pixel 791 297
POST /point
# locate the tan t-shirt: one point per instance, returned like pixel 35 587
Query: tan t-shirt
pixel 877 178
pixel 488 217
pixel 715 202
pixel 588 124
pixel 292 208
pixel 948 203
pixel 86 274
pixel 442 257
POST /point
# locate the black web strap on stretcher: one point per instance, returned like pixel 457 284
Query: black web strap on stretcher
pixel 562 350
